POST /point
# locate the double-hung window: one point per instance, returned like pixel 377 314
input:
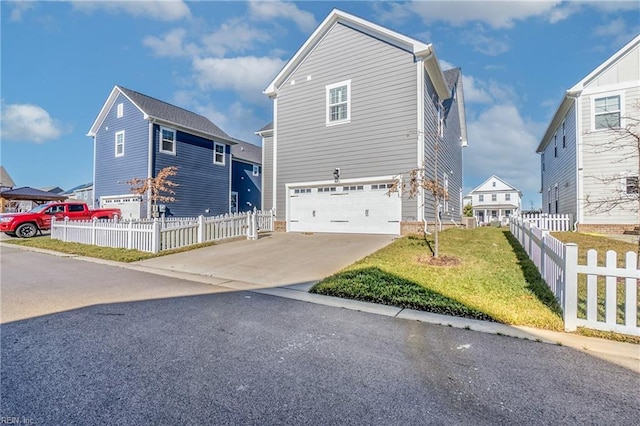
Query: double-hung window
pixel 338 103
pixel 120 143
pixel 218 153
pixel 494 197
pixel 481 198
pixel 507 197
pixel 120 110
pixel 607 112
pixel 256 170
pixel 167 140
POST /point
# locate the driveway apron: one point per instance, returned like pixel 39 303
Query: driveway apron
pixel 275 259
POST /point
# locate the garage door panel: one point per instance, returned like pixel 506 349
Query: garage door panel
pixel 344 211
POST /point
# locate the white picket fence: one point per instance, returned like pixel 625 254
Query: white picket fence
pixel 550 222
pixel 163 234
pixel 558 265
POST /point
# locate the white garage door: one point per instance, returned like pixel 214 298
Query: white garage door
pixel 352 208
pixel 129 205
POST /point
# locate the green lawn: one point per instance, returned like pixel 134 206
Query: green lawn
pixel 495 279
pixel 107 253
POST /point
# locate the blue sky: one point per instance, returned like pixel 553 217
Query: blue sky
pixel 60 60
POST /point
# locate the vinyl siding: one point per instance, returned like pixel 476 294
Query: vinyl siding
pixel 604 169
pixel 246 185
pixel 267 173
pixel 378 141
pixel 449 154
pixel 202 185
pixel 111 172
pixel 561 170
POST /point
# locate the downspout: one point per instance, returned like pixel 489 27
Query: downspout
pixel 150 166
pixel 578 149
pixel 95 155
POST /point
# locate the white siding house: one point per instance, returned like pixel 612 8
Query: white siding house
pixel 495 200
pixel 355 108
pixel 588 170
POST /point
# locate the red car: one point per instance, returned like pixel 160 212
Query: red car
pixel 27 225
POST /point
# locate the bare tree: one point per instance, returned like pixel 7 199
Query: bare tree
pixel 159 189
pixel 622 189
pixel 419 180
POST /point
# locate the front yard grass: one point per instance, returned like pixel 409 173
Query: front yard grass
pixel 494 279
pixel 106 253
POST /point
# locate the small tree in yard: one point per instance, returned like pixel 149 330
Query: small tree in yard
pixel 158 189
pixel 625 142
pixel 467 210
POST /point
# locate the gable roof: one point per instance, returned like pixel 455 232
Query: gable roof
pixel 418 48
pixel 570 95
pixel 163 113
pixel 508 185
pixel 247 152
pixel 266 129
pixel 5 179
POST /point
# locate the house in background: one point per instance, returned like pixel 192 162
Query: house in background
pixel 5 180
pixel 82 192
pixel 246 178
pixel 355 108
pixel 495 200
pixel 587 170
pixel 136 136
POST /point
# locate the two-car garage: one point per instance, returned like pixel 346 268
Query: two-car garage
pixel 366 208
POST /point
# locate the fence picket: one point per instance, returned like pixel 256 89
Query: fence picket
pixel 558 265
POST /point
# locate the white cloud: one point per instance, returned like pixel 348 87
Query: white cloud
pixel 247 75
pixel 172 44
pixel 161 10
pixel 485 44
pixel 503 143
pixel 497 14
pixel 28 123
pixel 269 10
pixel 236 36
pixel 19 8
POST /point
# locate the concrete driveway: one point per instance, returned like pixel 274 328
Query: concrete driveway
pixel 276 259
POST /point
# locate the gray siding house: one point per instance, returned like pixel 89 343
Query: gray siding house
pixel 587 169
pixel 357 107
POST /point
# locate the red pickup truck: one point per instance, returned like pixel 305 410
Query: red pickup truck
pixel 26 225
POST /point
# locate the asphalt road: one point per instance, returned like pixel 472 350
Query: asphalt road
pixel 248 358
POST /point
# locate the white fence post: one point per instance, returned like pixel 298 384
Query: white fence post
pixel 631 292
pixel 130 235
pixel 570 278
pixel 155 236
pixel 201 229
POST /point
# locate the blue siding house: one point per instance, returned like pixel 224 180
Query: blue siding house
pixel 136 136
pixel 246 177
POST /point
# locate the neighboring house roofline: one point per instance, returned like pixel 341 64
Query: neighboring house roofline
pixel 247 153
pixel 211 131
pixel 417 48
pixel 575 91
pixel 266 130
pixel 477 188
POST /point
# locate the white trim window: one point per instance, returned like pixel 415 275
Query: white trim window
pixel 507 197
pixel 120 110
pixel 494 197
pixel 338 103
pixel 607 112
pixel 256 170
pixel 119 144
pixel 218 153
pixel 167 140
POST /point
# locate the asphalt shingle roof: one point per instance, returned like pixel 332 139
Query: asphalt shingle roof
pixel 173 114
pixel 248 152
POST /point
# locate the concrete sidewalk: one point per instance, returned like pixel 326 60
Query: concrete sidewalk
pixel 217 265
